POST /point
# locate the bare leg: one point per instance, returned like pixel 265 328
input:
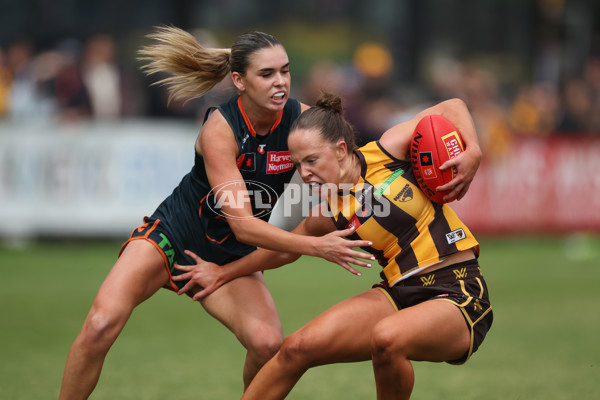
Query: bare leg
pixel 138 274
pixel 340 334
pixel 431 331
pixel 246 307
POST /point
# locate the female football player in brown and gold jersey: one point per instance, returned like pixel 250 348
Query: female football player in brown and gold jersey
pixel 432 304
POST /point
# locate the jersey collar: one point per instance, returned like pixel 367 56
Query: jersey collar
pixel 249 124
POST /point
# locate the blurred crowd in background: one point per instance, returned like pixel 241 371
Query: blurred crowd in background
pixel 97 77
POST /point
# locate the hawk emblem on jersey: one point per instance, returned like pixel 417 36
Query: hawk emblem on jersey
pixel 406 194
pixel 246 162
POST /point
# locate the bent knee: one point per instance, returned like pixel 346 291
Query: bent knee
pixel 265 341
pixel 385 345
pixel 102 328
pixel 298 350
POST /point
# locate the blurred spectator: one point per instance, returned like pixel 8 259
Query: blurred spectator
pixel 324 75
pixel 481 93
pixel 76 81
pixel 24 100
pixel 332 77
pixel 577 107
pixel 5 84
pixel 591 76
pixel 71 94
pixel 364 86
pixel 445 76
pixel 479 88
pixel 102 77
pixel 535 109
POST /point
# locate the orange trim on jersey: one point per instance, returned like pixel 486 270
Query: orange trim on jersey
pixel 202 201
pixel 217 217
pixel 249 124
pixel 152 229
pixel 217 241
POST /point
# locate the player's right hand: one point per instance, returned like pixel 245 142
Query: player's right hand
pixel 204 274
pixel 333 247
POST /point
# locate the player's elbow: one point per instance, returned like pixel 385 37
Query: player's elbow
pixel 456 104
pixel 243 232
pixel 286 258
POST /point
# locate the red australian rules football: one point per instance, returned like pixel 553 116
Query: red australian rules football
pixel 434 141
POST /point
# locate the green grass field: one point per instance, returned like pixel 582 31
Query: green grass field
pixel 543 345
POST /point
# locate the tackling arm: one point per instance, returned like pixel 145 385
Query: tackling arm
pixel 210 276
pixel 219 149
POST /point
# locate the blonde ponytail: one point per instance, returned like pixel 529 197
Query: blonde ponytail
pixel 193 69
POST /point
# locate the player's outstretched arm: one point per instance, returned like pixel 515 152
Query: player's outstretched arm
pixel 219 149
pixel 210 276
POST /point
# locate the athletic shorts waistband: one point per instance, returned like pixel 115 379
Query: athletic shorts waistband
pixel 449 274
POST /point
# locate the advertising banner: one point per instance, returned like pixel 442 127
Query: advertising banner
pixel 102 179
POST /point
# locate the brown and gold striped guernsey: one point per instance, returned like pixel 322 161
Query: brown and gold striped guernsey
pixel 409 232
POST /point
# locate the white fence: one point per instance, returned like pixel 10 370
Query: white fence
pixel 101 179
pixel 89 179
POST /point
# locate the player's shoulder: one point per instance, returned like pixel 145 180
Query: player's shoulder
pixel 396 140
pixel 303 107
pixel 293 108
pixel 216 133
pixel 216 123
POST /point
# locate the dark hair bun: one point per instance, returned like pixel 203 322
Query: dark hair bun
pixel 330 102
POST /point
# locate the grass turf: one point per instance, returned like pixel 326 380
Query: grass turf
pixel 543 344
